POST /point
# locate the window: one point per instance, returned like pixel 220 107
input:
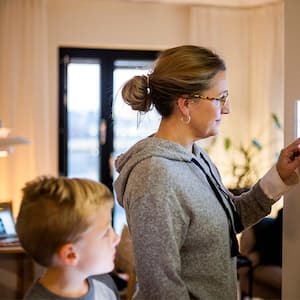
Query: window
pixel 95 125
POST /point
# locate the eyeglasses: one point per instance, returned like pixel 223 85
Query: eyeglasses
pixel 220 102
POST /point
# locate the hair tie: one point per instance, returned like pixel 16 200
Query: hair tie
pixel 148 84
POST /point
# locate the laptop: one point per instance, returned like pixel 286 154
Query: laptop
pixel 8 235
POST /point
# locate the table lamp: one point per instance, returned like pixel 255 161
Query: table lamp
pixel 6 141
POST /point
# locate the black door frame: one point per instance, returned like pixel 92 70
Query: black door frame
pixel 107 57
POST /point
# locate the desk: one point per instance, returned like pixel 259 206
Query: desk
pixel 17 272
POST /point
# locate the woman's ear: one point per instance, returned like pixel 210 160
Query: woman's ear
pixel 183 105
pixel 67 255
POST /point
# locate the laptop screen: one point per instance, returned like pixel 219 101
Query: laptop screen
pixel 7 224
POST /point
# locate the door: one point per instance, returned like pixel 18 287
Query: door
pixel 95 125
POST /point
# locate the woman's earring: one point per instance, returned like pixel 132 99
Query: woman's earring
pixel 187 121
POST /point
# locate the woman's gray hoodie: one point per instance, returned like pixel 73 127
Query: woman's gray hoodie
pixel 179 229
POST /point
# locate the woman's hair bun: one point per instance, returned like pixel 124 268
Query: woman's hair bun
pixel 135 93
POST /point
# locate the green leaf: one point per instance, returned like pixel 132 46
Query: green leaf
pixel 276 121
pixel 214 140
pixel 227 143
pixel 256 144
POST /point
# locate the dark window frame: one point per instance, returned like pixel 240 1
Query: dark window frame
pixel 107 57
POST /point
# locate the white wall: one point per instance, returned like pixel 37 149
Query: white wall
pixel 108 24
pixel 291 229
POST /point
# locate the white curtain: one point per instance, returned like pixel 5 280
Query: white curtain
pixel 23 92
pixel 251 42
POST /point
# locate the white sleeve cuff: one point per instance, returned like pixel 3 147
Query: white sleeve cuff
pixel 272 184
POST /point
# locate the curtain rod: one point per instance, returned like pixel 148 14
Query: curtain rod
pixel 235 7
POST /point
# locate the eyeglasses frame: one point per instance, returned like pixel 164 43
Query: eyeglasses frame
pixel 222 100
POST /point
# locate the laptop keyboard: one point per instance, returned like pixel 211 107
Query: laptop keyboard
pixel 9 242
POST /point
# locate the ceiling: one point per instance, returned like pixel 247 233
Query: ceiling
pixel 230 3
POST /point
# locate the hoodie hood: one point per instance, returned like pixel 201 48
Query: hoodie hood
pixel 146 148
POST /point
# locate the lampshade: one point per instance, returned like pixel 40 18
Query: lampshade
pixel 6 141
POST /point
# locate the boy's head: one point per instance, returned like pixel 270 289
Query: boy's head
pixel 67 219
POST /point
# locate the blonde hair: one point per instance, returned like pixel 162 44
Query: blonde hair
pixel 55 211
pixel 178 71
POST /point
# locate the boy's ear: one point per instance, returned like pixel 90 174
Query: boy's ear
pixel 67 255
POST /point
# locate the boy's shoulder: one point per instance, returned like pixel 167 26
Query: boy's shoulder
pixel 101 287
pixel 105 286
pixel 37 291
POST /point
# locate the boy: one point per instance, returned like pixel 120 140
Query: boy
pixel 65 225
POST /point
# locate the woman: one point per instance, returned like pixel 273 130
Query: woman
pixel 182 219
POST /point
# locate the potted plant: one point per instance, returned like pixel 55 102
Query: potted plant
pixel 245 160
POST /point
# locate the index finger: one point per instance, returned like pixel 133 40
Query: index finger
pixel 293 149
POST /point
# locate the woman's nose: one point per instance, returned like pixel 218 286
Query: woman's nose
pixel 226 108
